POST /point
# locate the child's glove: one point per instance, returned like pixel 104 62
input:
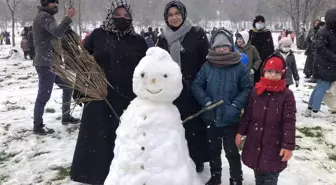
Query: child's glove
pixel 297 83
pixel 251 71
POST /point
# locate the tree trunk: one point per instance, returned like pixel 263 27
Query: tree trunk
pixel 13 27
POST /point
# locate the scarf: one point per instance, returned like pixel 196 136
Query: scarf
pixel 223 59
pixel 108 24
pixel 270 85
pixel 175 38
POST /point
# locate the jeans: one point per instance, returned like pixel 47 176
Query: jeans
pixel 218 136
pixel 318 94
pixel 45 87
pixel 266 178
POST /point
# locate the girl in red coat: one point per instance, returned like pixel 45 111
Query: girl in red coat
pixel 269 124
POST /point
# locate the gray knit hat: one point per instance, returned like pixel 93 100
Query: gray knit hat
pixel 221 39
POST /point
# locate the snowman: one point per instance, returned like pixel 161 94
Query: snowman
pixel 151 148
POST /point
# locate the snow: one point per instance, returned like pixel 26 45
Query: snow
pixel 29 159
pixel 151 147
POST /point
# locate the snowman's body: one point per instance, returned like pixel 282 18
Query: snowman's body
pixel 151 148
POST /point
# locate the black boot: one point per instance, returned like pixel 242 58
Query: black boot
pixel 42 130
pixel 70 120
pixel 199 168
pixel 214 180
pixel 235 182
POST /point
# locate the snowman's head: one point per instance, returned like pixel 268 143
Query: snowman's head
pixel 157 77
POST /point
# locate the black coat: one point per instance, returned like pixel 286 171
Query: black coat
pixel 263 41
pixel 94 150
pixel 196 47
pixel 325 54
pixel 310 52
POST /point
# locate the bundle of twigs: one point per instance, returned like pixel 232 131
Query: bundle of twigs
pixel 80 70
pixel 205 109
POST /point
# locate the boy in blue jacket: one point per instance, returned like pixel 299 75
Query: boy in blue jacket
pixel 223 77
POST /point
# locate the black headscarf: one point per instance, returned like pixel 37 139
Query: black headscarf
pixel 109 25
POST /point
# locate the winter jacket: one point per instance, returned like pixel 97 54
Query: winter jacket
pixel 254 60
pixel 196 45
pixel 263 41
pixel 118 57
pixel 45 30
pixel 149 42
pixel 230 84
pixel 291 71
pixel 24 45
pixel 325 50
pixel 269 124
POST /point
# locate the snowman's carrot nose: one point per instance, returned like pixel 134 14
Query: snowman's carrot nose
pixel 154 80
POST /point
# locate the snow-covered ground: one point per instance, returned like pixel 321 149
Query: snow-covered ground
pixel 27 159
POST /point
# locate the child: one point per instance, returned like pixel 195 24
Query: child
pixel 223 77
pixel 25 47
pixel 269 124
pixel 285 45
pixel 252 53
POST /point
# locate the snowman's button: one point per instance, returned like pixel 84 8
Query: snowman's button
pixel 145 117
pixel 142 167
pixel 142 148
pixel 144 134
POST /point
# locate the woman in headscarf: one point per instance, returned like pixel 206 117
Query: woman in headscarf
pixel 117 49
pixel 261 38
pixel 188 45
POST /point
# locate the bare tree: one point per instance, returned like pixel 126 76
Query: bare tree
pixel 300 11
pixel 13 6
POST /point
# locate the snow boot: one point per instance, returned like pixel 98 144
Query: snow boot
pixel 43 130
pixel 234 182
pixel 70 120
pixel 214 180
pixel 199 168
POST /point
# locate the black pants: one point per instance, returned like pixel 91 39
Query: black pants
pixel 45 87
pixel 266 178
pixel 218 136
pixel 25 53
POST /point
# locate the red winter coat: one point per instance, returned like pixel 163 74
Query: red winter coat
pixel 269 124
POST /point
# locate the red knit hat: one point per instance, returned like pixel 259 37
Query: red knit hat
pixel 274 63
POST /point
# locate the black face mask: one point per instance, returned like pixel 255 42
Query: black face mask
pixel 122 24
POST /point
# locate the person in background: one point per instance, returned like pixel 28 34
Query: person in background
pixel 1 38
pixel 152 34
pixel 285 51
pixel 149 41
pixel 223 77
pixel 261 38
pixel 269 124
pixel 142 32
pixel 310 51
pixel 31 43
pixel 25 47
pixel 254 61
pixel 188 46
pixel 324 63
pixel 45 30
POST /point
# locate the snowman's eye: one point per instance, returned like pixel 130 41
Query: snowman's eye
pixel 142 75
pixel 165 75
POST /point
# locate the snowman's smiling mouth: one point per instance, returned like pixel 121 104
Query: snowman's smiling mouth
pixel 154 92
